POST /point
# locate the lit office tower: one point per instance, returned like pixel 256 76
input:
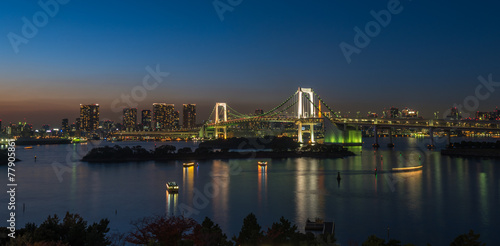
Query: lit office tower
pixel 163 116
pixel 159 115
pixel 65 126
pixel 176 119
pixel 146 119
pixel 188 115
pixel 78 124
pixel 89 117
pixel 129 119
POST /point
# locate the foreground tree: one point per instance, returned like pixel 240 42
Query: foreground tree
pixel 210 234
pixel 162 230
pixel 250 233
pixel 469 239
pixel 72 231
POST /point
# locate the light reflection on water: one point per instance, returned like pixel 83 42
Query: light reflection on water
pixel 448 196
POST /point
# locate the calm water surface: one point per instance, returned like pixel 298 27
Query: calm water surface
pixel 447 197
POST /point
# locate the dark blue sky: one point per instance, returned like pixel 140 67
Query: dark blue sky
pixel 428 57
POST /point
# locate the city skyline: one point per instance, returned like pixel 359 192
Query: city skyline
pixel 251 58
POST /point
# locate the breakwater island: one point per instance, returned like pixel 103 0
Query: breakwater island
pixel 234 148
pixel 473 149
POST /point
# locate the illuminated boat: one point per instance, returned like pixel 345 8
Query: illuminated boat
pixel 262 163
pixel 172 187
pixel 406 169
pixel 189 164
pixel 29 147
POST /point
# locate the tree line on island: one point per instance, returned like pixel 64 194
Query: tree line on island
pixel 473 149
pixel 221 148
pixel 475 145
pixel 73 230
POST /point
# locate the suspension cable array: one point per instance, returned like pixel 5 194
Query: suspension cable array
pixel 209 117
pixel 326 105
pixel 276 110
pixel 317 107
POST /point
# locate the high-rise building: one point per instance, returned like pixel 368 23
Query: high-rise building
pixel 1 130
pixel 259 111
pixel 188 115
pixel 409 113
pixel 45 128
pixel 146 119
pixel 129 119
pixel 163 116
pixel 108 125
pixel 65 126
pixel 175 121
pixel 89 116
pixel 159 115
pixel 394 112
pixel 78 124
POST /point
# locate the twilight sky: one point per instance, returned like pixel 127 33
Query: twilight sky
pixel 427 57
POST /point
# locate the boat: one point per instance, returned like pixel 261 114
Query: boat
pixel 406 169
pixel 262 163
pixel 172 187
pixel 29 147
pixel 189 164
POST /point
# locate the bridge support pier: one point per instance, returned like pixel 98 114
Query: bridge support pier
pixel 375 145
pixel 391 143
pixel 448 137
pixel 311 128
pixel 300 132
pixel 299 136
pixel 431 135
pixel 224 128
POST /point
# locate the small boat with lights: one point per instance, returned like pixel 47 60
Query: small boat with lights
pixel 189 164
pixel 172 187
pixel 28 147
pixel 406 169
pixel 262 163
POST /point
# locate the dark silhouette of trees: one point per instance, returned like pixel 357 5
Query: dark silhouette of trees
pixel 72 230
pixel 164 150
pixel 185 150
pixel 250 233
pixel 469 239
pixel 164 230
pixel 210 234
pixel 285 233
